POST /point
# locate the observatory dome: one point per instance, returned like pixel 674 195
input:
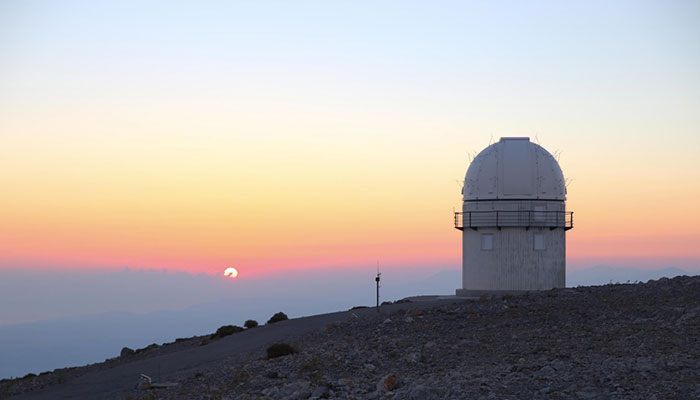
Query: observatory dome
pixel 514 168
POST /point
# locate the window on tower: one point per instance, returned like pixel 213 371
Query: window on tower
pixel 539 241
pixel 487 241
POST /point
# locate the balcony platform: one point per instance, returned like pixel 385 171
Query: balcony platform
pixel 514 219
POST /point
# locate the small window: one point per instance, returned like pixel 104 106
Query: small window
pixel 486 241
pixel 539 241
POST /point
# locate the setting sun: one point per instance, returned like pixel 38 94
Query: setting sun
pixel 231 272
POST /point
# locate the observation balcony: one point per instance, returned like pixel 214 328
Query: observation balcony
pixel 510 219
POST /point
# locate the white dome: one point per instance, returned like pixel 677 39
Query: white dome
pixel 514 168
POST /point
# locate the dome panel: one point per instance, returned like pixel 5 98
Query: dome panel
pixel 514 168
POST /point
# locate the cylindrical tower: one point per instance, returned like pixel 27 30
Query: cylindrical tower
pixel 513 220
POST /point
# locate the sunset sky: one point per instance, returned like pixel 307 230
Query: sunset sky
pixel 275 135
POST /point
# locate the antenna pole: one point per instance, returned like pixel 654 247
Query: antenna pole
pixel 377 280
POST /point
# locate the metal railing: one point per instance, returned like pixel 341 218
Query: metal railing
pixel 524 219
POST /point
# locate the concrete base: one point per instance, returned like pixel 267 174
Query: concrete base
pixel 451 297
pixel 479 293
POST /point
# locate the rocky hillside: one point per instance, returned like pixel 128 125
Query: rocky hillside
pixel 636 341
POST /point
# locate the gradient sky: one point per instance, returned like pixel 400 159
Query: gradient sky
pixel 275 135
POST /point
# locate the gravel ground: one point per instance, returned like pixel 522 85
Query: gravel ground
pixel 631 341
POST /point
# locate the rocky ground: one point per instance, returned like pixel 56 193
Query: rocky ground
pixel 632 341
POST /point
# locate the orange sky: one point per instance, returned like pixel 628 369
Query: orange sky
pixel 336 205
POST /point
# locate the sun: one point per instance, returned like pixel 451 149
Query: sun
pixel 231 272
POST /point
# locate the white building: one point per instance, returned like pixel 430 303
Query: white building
pixel 513 220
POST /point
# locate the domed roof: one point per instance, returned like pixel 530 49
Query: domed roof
pixel 514 168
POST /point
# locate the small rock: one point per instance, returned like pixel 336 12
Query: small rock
pixel 585 394
pixel 643 365
pixel 321 392
pixel 413 357
pixel 420 392
pixel 388 383
pixel 546 372
pixel 559 365
pixel 144 382
pixel 345 382
pixel 295 390
pixel 387 321
pixel 271 392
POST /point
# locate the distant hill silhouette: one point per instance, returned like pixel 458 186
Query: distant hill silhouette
pixel 602 274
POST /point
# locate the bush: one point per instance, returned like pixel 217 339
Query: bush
pixel 225 330
pixel 279 350
pixel 280 316
pixel 126 352
pixel 251 323
pixel 147 348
